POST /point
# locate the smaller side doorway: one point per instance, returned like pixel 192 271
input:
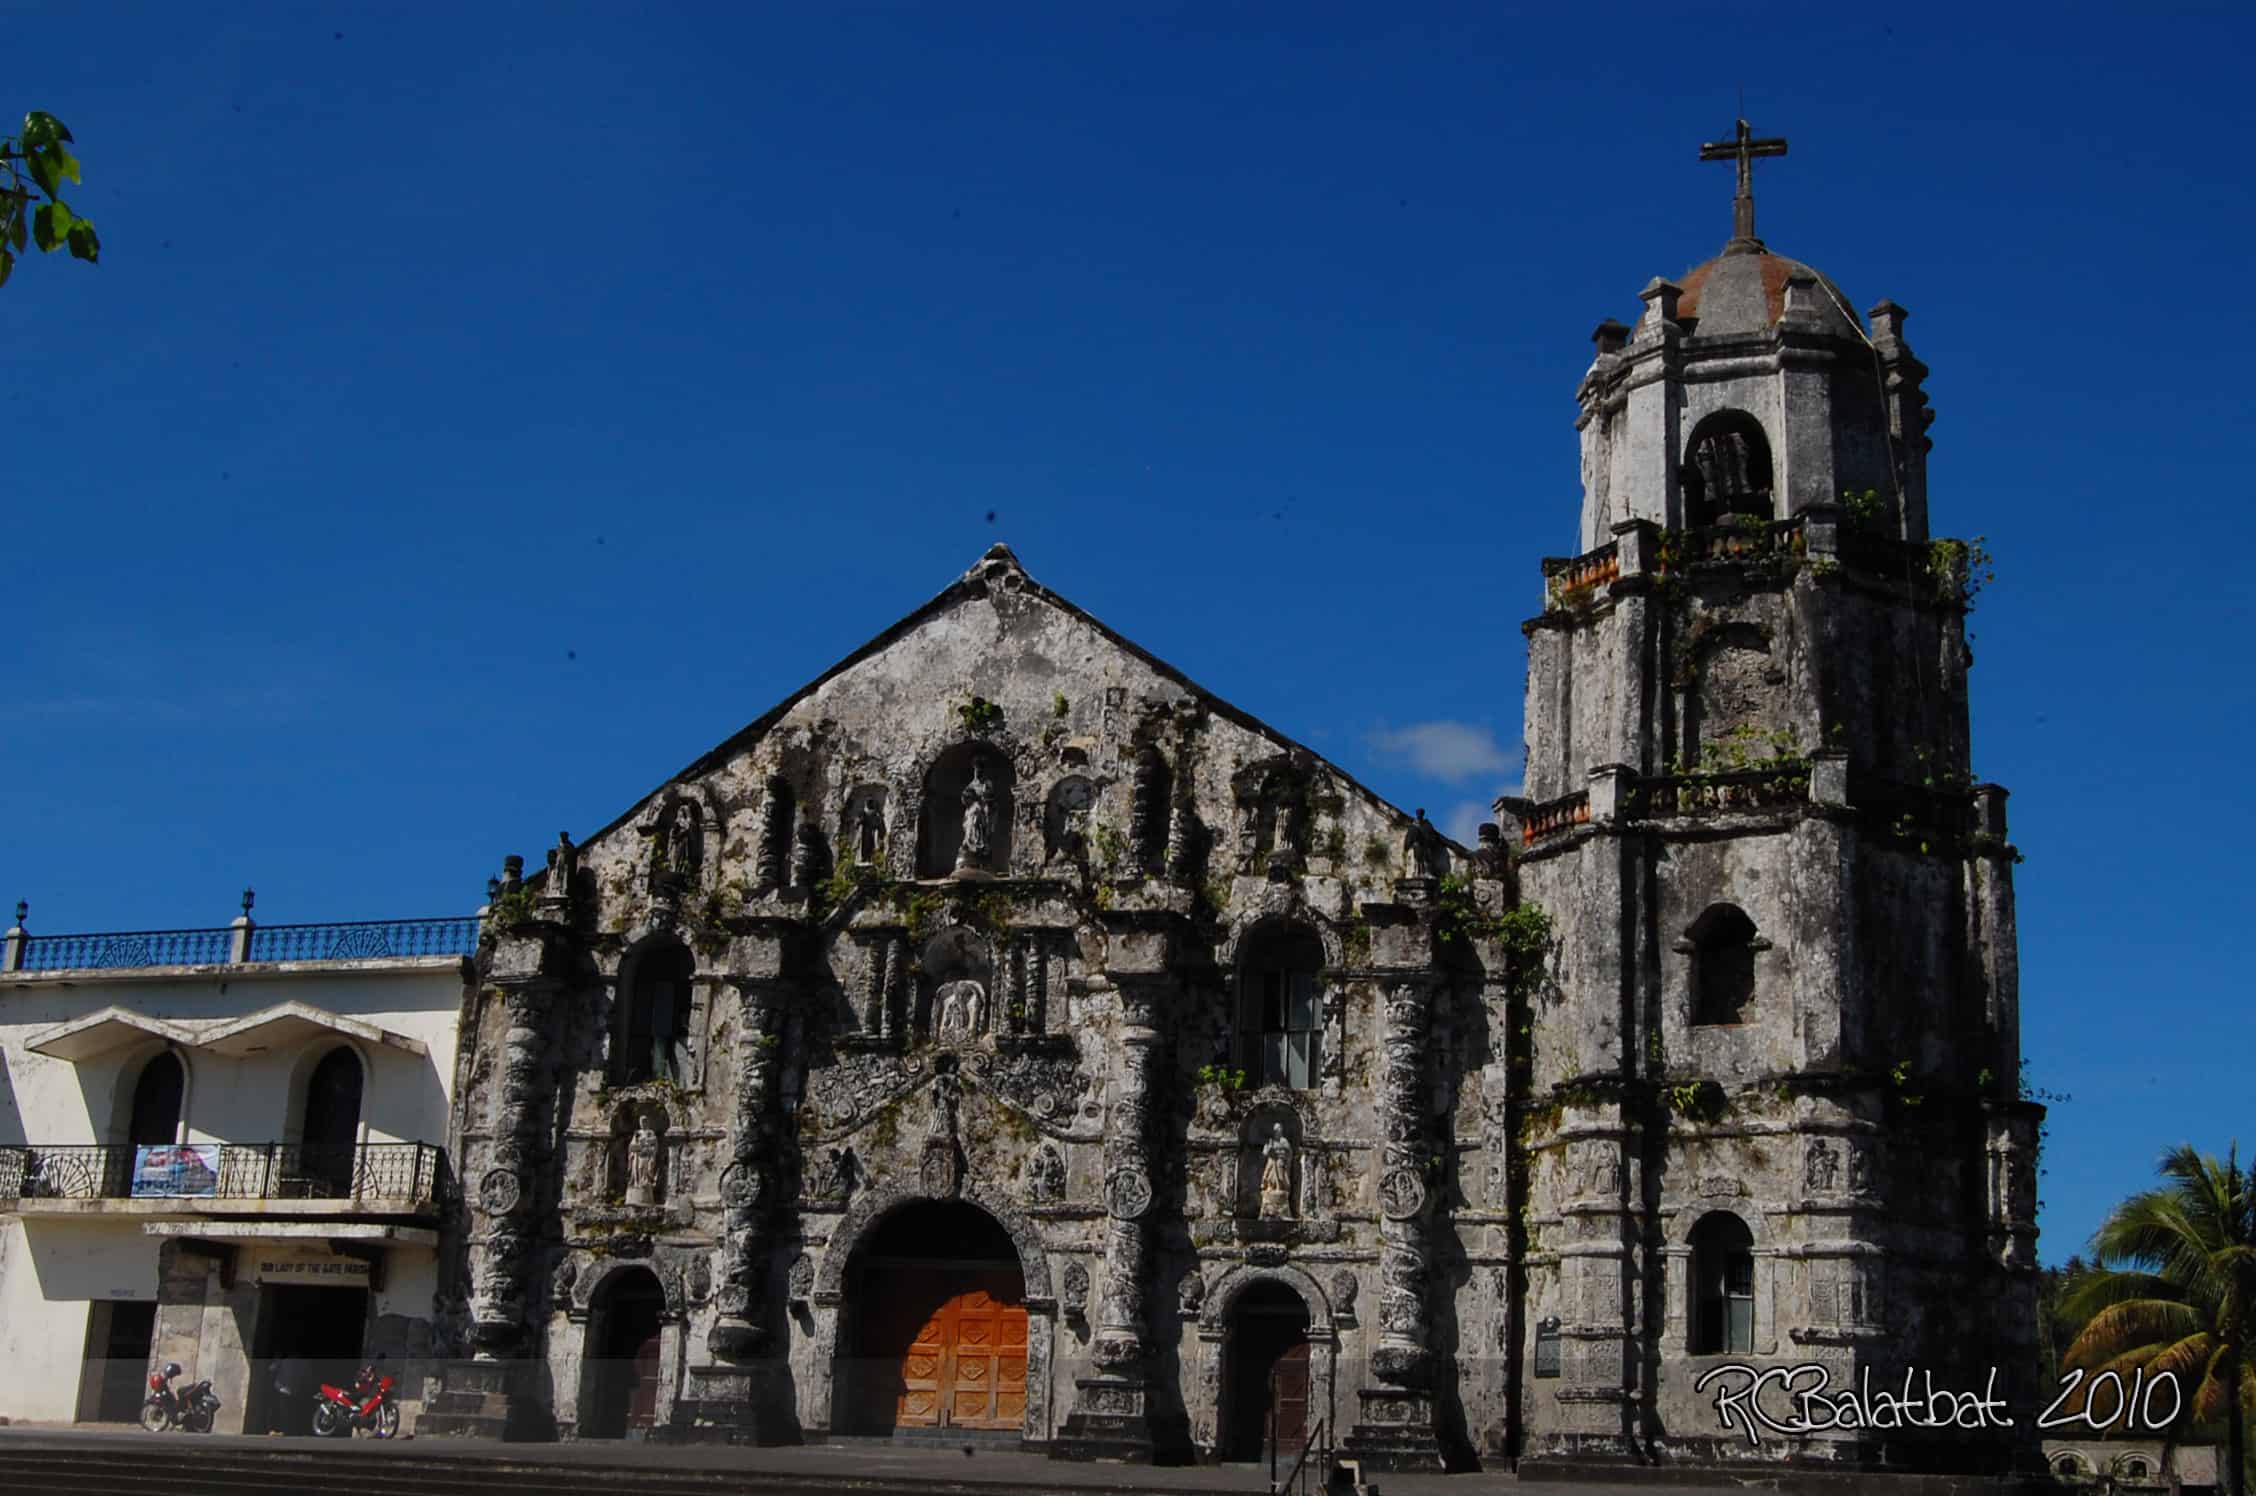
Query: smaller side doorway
pixel 1268 1374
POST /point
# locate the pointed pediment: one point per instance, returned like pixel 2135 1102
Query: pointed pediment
pixel 289 1024
pixel 98 1034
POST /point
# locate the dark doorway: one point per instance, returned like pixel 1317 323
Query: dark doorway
pixel 332 1124
pixel 1268 1366
pixel 940 1340
pixel 307 1336
pixel 627 1333
pixel 119 1334
pixel 155 1122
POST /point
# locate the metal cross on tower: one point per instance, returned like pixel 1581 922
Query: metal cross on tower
pixel 1743 149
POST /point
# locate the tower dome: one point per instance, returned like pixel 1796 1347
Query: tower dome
pixel 1747 290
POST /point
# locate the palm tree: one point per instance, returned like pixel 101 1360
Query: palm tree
pixel 2174 1287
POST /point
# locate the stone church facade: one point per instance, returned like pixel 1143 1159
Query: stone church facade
pixel 1005 1037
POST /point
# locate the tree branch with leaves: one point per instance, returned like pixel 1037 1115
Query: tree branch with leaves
pixel 41 153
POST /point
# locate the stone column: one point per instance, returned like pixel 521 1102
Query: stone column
pixel 481 1393
pixel 1111 1416
pixel 1395 1426
pixel 746 1185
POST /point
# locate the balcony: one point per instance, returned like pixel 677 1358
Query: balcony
pixel 191 1180
pixel 240 943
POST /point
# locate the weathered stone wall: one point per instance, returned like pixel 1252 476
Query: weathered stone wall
pixel 1083 1089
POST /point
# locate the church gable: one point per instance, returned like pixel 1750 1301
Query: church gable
pixel 999 732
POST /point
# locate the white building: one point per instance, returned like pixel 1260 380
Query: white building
pixel 221 1147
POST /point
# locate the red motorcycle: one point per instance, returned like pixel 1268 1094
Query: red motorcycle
pixel 164 1408
pixel 337 1412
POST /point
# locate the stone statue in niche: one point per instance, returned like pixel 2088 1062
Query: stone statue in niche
pixel 563 867
pixel 1276 1175
pixel 959 1005
pixel 1422 853
pixel 978 821
pixel 839 1172
pixel 1860 1170
pixel 645 1164
pixel 681 842
pixel 1818 1172
pixel 869 832
pixel 1045 1175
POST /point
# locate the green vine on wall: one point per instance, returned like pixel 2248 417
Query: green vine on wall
pixel 980 715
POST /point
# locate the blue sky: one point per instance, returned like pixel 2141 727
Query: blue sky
pixel 481 411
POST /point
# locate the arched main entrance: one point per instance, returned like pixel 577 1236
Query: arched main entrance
pixel 620 1378
pixel 940 1336
pixel 1268 1371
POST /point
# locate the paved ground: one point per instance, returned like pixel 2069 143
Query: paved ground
pixel 875 1460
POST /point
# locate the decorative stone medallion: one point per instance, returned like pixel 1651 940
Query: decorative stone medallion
pixel 1402 1194
pixel 500 1191
pixel 742 1188
pixel 1128 1194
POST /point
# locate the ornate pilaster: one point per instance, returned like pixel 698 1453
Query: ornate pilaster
pixel 481 1393
pixel 1395 1426
pixel 1111 1418
pixel 746 1187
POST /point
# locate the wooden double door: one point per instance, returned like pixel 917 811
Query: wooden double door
pixel 949 1343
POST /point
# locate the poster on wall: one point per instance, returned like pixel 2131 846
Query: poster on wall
pixel 176 1169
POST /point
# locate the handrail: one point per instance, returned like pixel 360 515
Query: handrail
pixel 1319 1443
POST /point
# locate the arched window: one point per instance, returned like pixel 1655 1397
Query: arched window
pixel 1280 1015
pixel 1723 965
pixel 1723 1285
pixel 332 1123
pixel 654 998
pixel 1726 472
pixel 155 1118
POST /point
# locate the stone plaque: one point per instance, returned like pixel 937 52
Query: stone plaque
pixel 1547 1348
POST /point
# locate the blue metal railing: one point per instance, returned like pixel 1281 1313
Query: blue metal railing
pixel 361 940
pixel 354 940
pixel 125 948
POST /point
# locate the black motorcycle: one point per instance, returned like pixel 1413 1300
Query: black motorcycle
pixel 191 1411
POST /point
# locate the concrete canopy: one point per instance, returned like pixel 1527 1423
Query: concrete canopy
pixel 97 1034
pixel 292 1023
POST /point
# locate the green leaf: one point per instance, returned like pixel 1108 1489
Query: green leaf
pixel 50 226
pixel 42 164
pixel 7 266
pixel 41 128
pixel 83 244
pixel 19 225
pixel 66 164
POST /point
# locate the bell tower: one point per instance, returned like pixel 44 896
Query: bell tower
pixel 1770 1113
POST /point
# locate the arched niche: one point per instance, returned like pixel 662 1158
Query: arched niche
pixel 950 801
pixel 1722 943
pixel 1066 815
pixel 1263 1122
pixel 1726 472
pixel 944 1006
pixel 678 846
pixel 865 828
